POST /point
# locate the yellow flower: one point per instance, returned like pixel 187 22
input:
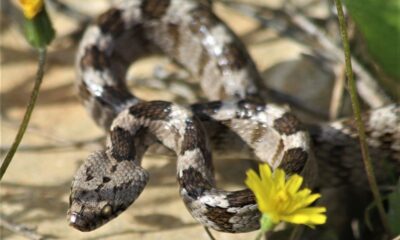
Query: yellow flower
pixel 31 7
pixel 282 200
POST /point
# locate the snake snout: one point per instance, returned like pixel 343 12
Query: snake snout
pixel 103 188
pixel 79 222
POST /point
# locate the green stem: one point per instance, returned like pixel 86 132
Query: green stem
pixel 259 235
pixel 209 233
pixel 28 112
pixel 357 114
pixel 296 232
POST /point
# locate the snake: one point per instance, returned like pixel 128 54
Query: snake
pixel 236 120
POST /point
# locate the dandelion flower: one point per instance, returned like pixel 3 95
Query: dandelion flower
pixel 282 200
pixel 31 7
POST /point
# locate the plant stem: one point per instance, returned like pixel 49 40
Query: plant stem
pixel 259 235
pixel 28 112
pixel 209 233
pixel 296 232
pixel 357 115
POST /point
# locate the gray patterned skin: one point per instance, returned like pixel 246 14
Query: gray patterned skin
pixel 186 31
pixel 144 123
pixel 241 125
pixel 338 151
pixel 102 188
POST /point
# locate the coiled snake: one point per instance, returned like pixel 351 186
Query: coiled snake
pixel 236 121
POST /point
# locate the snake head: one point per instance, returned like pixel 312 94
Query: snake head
pixel 102 189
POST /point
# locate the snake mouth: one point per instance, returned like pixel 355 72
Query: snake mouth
pixel 78 222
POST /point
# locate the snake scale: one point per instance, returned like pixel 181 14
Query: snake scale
pixel 235 122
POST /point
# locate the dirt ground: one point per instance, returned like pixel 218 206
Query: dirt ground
pixel 35 189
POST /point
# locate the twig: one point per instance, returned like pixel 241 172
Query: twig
pixel 337 92
pixel 28 112
pixel 20 229
pixel 357 115
pixel 209 233
pixel 369 90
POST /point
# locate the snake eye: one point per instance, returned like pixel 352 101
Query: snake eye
pixel 107 210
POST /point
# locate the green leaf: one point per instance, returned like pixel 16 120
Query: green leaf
pixel 379 22
pixel 394 210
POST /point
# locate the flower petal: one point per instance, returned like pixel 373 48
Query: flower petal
pixel 31 7
pixel 294 183
pixel 303 193
pixel 265 171
pixel 254 183
pixel 313 219
pixel 279 178
pixel 304 201
pixel 312 210
pixel 310 199
pixel 308 216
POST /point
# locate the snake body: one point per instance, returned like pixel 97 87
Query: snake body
pixel 235 121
